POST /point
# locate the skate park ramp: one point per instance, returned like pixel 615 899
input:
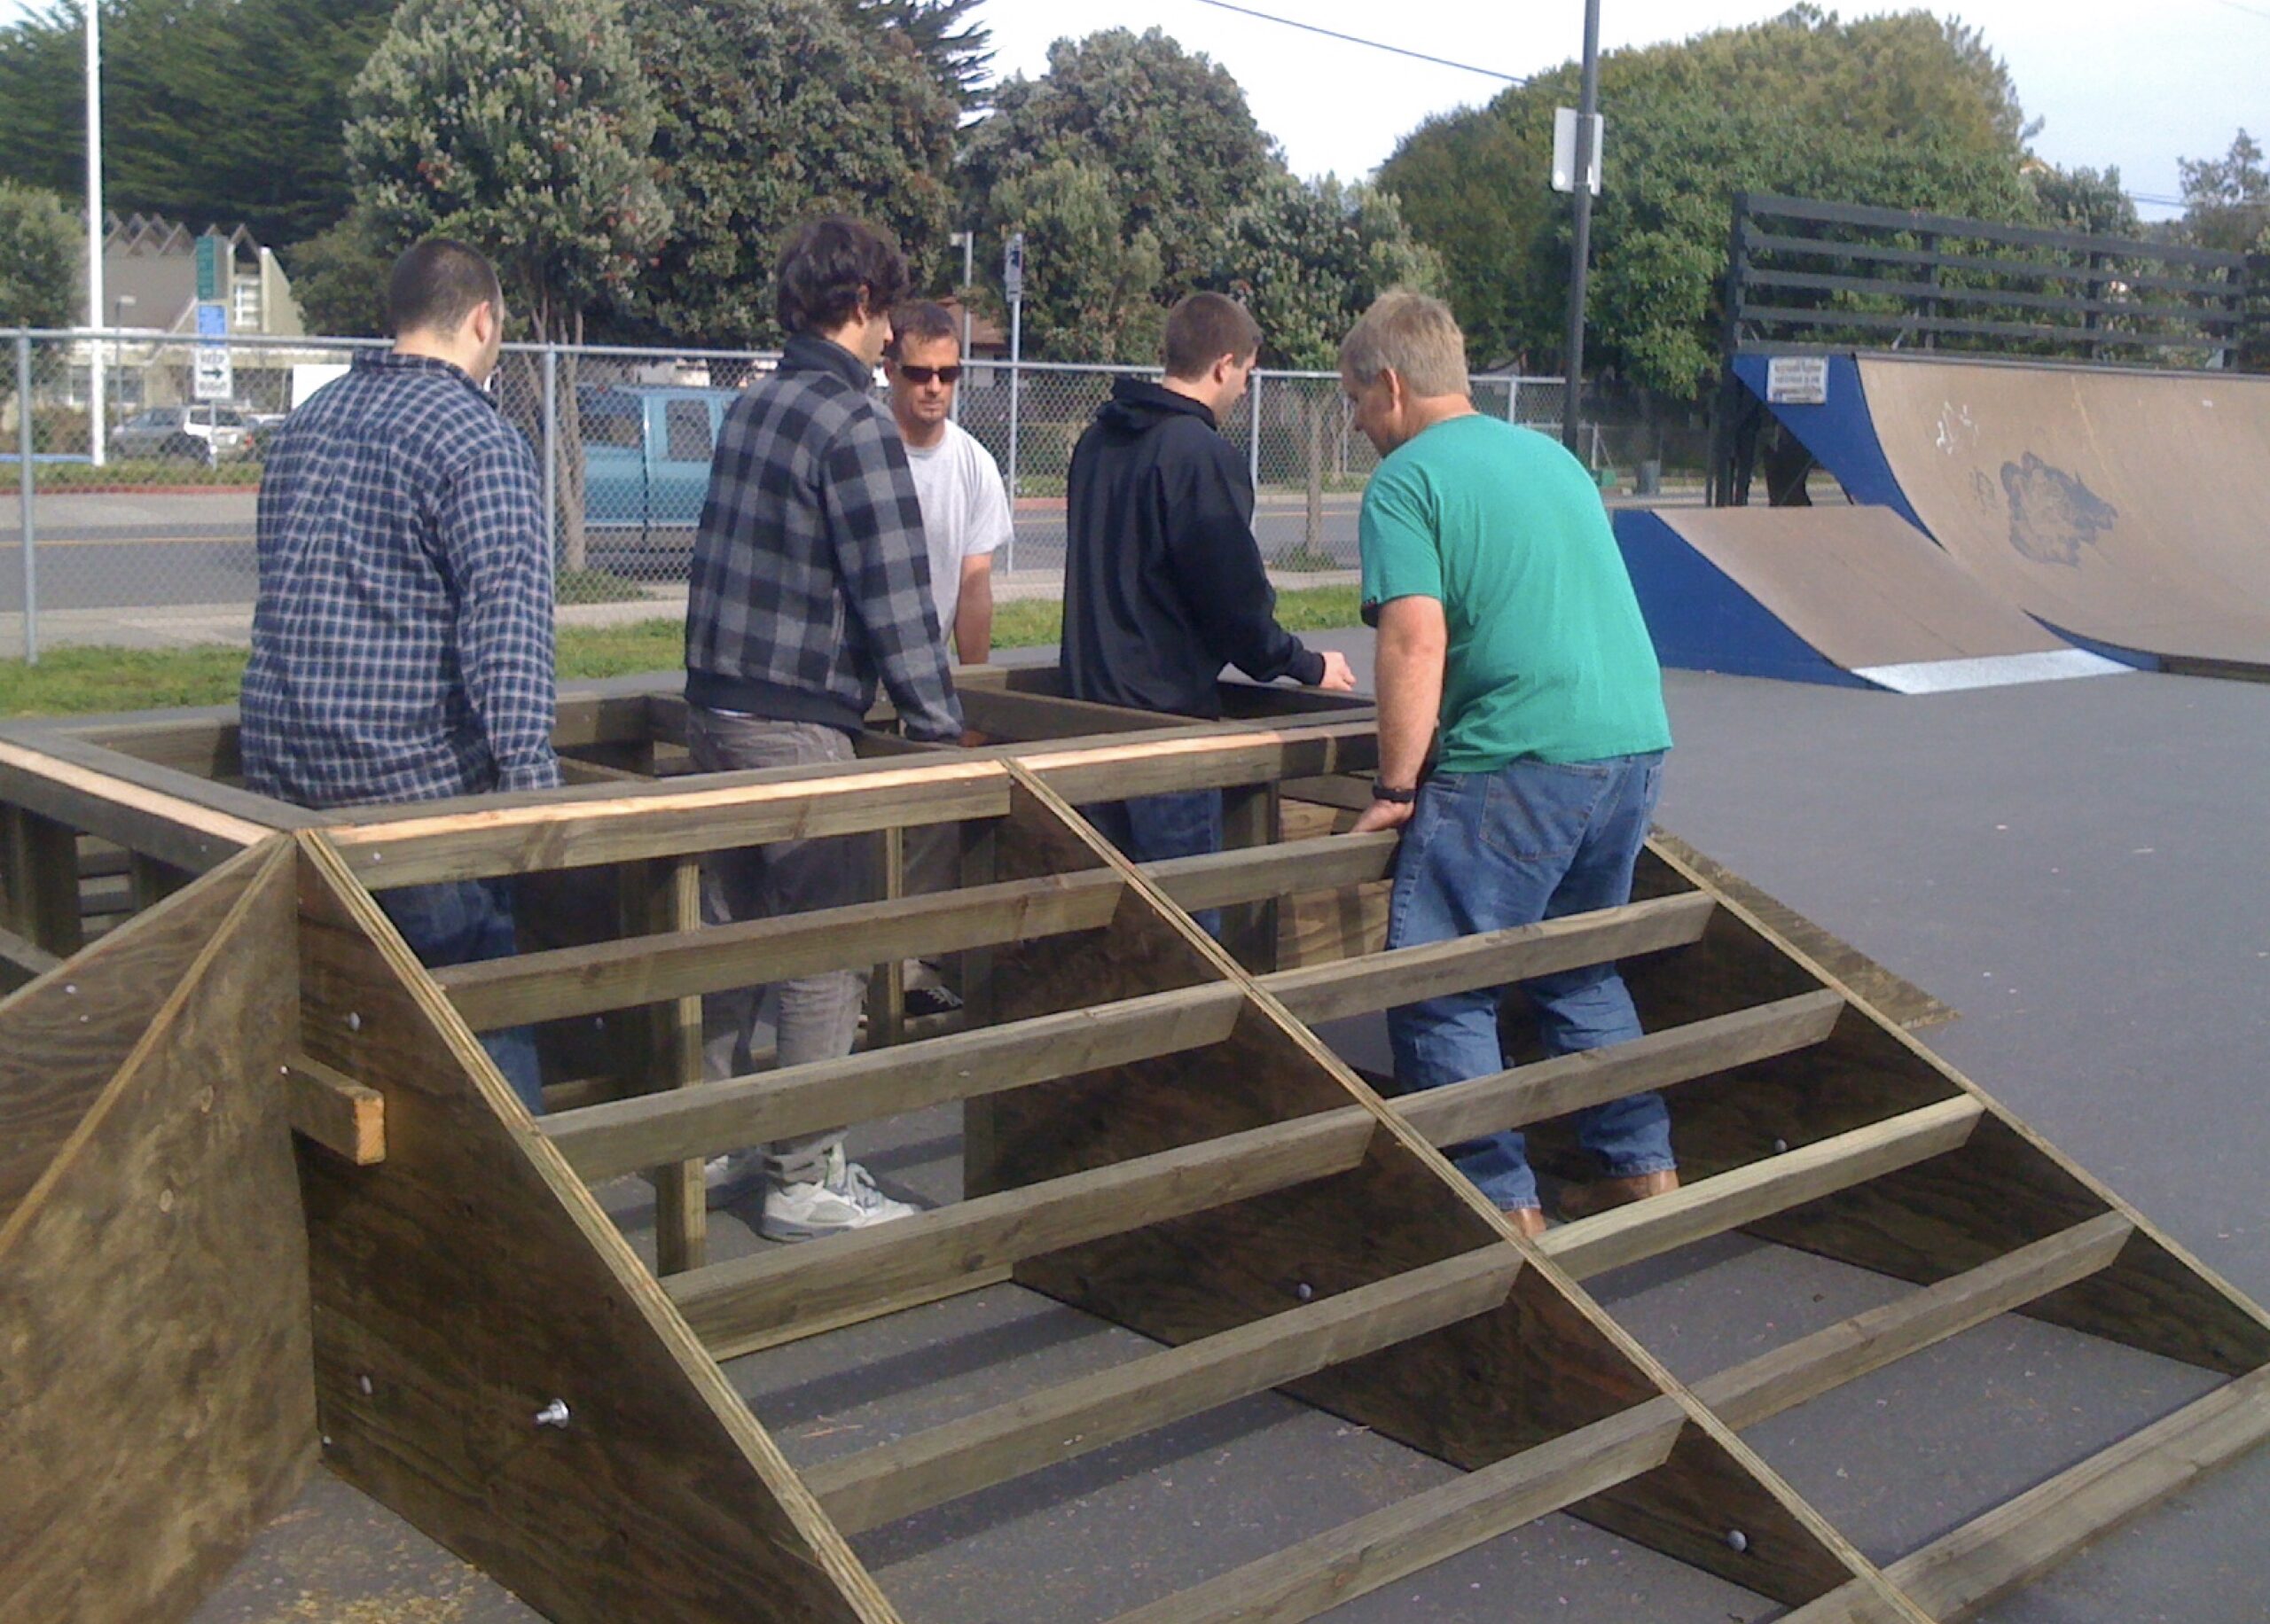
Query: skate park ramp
pixel 1851 596
pixel 2123 508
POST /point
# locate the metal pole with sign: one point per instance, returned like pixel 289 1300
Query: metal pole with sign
pixel 213 376
pixel 1580 250
pixel 1013 284
pixel 95 431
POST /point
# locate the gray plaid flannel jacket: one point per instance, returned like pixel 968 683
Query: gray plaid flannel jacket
pixel 810 576
pixel 402 644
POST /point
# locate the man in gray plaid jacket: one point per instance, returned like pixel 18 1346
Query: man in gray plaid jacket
pixel 810 583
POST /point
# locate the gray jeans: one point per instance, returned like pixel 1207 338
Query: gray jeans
pixel 818 1015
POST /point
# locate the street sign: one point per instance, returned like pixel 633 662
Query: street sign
pixel 1797 381
pixel 213 377
pixel 1565 149
pixel 208 267
pixel 1012 267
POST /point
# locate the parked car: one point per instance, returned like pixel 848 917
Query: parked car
pixel 202 434
pixel 646 453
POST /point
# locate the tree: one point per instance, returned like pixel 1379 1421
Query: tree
pixel 956 51
pixel 1165 134
pixel 770 112
pixel 521 127
pixel 339 277
pixel 1902 111
pixel 2083 199
pixel 1090 281
pixel 2227 199
pixel 222 112
pixel 40 256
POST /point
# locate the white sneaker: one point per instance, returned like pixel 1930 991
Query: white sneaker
pixel 729 1171
pixel 847 1199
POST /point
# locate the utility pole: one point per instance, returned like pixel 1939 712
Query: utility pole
pixel 95 446
pixel 1580 250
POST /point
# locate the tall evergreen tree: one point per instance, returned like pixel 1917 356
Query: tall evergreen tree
pixel 957 50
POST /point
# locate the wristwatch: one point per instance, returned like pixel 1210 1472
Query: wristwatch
pixel 1401 798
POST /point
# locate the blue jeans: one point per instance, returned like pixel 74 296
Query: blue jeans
pixel 460 922
pixel 1487 852
pixel 1153 828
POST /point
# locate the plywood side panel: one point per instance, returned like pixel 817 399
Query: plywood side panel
pixel 467 1281
pixel 155 1401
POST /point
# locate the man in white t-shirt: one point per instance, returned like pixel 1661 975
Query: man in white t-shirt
pixel 965 505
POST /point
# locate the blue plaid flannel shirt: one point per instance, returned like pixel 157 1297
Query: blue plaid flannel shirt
pixel 401 645
pixel 811 578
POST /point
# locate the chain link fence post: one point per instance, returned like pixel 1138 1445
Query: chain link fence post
pixel 550 408
pixel 1253 442
pixel 25 494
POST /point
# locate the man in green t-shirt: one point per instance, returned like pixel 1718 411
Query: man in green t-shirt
pixel 1510 643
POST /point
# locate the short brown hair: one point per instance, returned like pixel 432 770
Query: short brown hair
pixel 1415 337
pixel 924 322
pixel 1202 329
pixel 828 262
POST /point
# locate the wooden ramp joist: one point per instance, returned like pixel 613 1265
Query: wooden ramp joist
pixel 1153 1135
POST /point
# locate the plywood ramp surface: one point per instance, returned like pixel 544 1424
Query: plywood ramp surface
pixel 2123 507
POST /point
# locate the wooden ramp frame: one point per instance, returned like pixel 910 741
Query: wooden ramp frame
pixel 426 1294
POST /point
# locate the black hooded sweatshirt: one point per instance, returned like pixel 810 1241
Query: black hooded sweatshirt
pixel 1163 582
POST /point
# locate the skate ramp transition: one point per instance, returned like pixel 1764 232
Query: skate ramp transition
pixel 1850 596
pixel 2122 509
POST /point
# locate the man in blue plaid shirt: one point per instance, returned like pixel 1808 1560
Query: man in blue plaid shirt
pixel 811 582
pixel 401 646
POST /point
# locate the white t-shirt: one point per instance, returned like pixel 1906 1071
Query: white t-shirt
pixel 964 511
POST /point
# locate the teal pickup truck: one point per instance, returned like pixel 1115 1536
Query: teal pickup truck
pixel 647 455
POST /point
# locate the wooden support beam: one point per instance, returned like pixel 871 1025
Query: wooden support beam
pixel 1249 929
pixel 879 1486
pixel 758 1296
pixel 575 770
pixel 1527 1094
pixel 663 1057
pixel 22 960
pixel 334 1110
pixel 39 859
pixel 1249 873
pixel 1361 1555
pixel 602 1141
pixel 1762 1387
pixel 1955 1576
pixel 1382 980
pixel 1647 1229
pixel 609 975
pixel 151 881
pixel 145 809
pixel 1020 718
pixel 1209 757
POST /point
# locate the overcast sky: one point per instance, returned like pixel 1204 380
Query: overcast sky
pixel 2138 85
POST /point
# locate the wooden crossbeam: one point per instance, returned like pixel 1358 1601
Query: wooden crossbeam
pixel 602 1141
pixel 609 975
pixel 22 960
pixel 1647 1229
pixel 1361 1555
pixel 866 1490
pixel 753 1299
pixel 1404 975
pixel 1221 879
pixel 1526 1094
pixel 1765 1386
pixel 340 1114
pixel 1955 1575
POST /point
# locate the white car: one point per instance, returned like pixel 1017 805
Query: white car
pixel 206 434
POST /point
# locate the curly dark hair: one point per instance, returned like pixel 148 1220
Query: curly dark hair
pixel 827 264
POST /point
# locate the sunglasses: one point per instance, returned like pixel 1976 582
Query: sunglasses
pixel 924 374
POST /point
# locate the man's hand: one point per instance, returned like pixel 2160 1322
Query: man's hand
pixel 1383 815
pixel 1339 675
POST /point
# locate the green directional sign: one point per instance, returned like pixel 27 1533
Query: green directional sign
pixel 208 267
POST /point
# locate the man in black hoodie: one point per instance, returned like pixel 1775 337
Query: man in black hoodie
pixel 1163 584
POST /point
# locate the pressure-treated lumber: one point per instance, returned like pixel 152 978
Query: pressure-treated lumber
pixel 660 1052
pixel 756 1296
pixel 1647 1229
pixel 1249 873
pixel 1762 1387
pixel 155 1403
pixel 101 791
pixel 507 992
pixel 39 880
pixel 602 1141
pixel 336 1111
pixel 866 1490
pixel 1526 1094
pixel 467 1281
pixel 1403 975
pixel 22 960
pixel 1361 1555
pixel 1989 1557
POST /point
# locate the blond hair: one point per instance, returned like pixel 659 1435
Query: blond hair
pixel 1414 337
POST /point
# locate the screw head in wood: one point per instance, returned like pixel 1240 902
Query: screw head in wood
pixel 554 1414
pixel 1737 1541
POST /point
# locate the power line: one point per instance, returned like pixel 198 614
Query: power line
pixel 1350 39
pixel 2252 10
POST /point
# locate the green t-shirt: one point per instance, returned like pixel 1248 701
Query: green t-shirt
pixel 1548 657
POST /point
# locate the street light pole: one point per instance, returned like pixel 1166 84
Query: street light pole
pixel 95 229
pixel 967 241
pixel 1580 249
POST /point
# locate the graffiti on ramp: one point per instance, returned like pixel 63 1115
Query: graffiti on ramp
pixel 2053 514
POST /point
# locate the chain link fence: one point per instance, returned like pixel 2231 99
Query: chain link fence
pixel 135 459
